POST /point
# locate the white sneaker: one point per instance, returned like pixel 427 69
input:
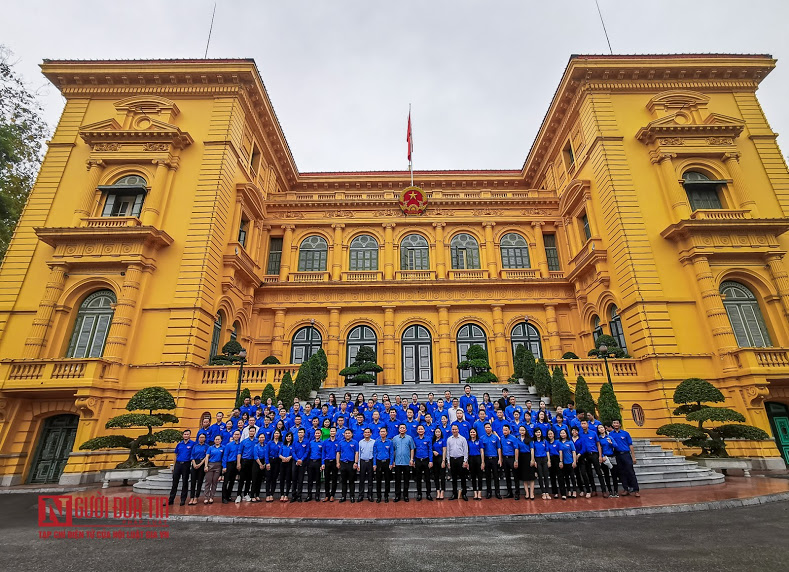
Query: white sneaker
pixel 238 499
pixel 247 498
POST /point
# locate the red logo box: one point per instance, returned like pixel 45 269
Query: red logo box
pixel 54 510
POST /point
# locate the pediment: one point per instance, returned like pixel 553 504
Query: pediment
pixel 152 130
pixel 682 124
pixel 677 99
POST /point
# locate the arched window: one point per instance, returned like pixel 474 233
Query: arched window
pixel 125 197
pixel 414 253
pixel 417 355
pixel 702 192
pixel 359 337
pixel 216 336
pixel 235 332
pixel 617 331
pixel 469 335
pixel 306 342
pixel 91 326
pixel 364 253
pixel 313 254
pixel 597 327
pixel 745 316
pixel 528 337
pixel 514 251
pixel 464 251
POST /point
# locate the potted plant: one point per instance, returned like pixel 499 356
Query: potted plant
pixel 477 361
pixel 692 395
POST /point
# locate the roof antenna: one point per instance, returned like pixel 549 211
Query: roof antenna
pixel 601 21
pixel 210 29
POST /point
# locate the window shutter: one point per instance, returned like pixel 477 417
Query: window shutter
pixel 108 204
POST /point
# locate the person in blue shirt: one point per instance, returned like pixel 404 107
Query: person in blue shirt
pixel 392 424
pixel 541 461
pixel 410 423
pixel 330 465
pixel 479 424
pixel 526 472
pixel 491 459
pixel 567 462
pixel 575 421
pixel 286 466
pixel 198 464
pixel 248 408
pixel 429 424
pixel 543 423
pixel 580 470
pixel 375 423
pixel 443 424
pixel 214 454
pixel 442 408
pixel 512 406
pixel 403 456
pixel 591 457
pixel 515 422
pixel 463 426
pixel 314 462
pixel 357 428
pixel 553 456
pixel 469 414
pixel 487 405
pixel 205 429
pixel 274 464
pixel 439 448
pixel 414 405
pixel 510 455
pixel 260 462
pixel 569 412
pixel 625 459
pixel 183 460
pixel 382 463
pixel 607 462
pixel 467 399
pixel 558 424
pixel 231 465
pixel 430 405
pixel 423 461
pixel 348 450
pixel 475 462
pixel 528 413
pixel 300 451
pixel 499 422
pixel 247 462
pixel 217 428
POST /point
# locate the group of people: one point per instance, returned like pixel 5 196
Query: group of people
pixel 264 446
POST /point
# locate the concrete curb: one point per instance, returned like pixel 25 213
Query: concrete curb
pixel 42 490
pixel 575 515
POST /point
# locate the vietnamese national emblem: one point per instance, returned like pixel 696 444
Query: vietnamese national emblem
pixel 413 201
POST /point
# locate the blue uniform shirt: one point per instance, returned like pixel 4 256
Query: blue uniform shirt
pixel 622 440
pixel 465 400
pixel 553 448
pixel 430 407
pixel 491 444
pixel 589 440
pixel 316 450
pixel 423 447
pixel 348 450
pixel 524 449
pixel 246 447
pixel 214 430
pixel 510 409
pixel 566 448
pixel 392 428
pixel 260 452
pixel 382 450
pixel 273 450
pixel 438 449
pixel 402 447
pixel 540 448
pixel 215 454
pixel 474 447
pixel 463 428
pixel 232 450
pixel 508 445
pixel 300 450
pixel 330 449
pixel 199 451
pixel 285 451
pixel 607 445
pixel 497 424
pixel 183 451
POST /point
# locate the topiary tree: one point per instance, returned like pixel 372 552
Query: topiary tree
pixel 232 348
pixel 583 397
pixel 143 447
pixel 542 379
pixel 477 361
pixel 304 380
pixel 529 365
pixel 321 369
pixel 691 395
pixel 363 368
pixel 613 347
pixel 608 405
pixel 268 391
pixel 241 396
pixel 560 390
pixel 270 360
pixel 229 355
pixel 286 391
pixel 569 355
pixel 517 361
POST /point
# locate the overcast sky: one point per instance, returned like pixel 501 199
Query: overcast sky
pixel 479 74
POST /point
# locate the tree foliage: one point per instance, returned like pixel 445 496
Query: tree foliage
pixel 321 369
pixel 610 342
pixel 22 135
pixel 542 379
pixel 305 379
pixel 529 365
pixel 270 360
pixel 691 395
pixel 608 405
pixel 363 368
pixel 560 390
pixel 268 391
pixel 232 348
pixel 287 392
pixel 517 361
pixel 569 355
pixel 241 396
pixel 143 447
pixel 583 397
pixel 477 361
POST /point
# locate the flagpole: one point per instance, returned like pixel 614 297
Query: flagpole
pixel 411 143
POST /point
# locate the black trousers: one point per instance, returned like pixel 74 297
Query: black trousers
pixel 245 482
pixel 475 471
pixel 258 475
pixel 298 478
pixel 348 475
pixel 492 473
pixel 180 473
pixel 439 474
pixel 542 474
pixel 567 479
pixel 273 475
pixel 457 471
pixel 510 473
pixel 626 471
pixel 366 476
pixel 580 475
pixel 314 477
pixel 402 475
pixel 330 476
pixel 592 463
pixel 285 476
pixel 553 473
pixel 196 481
pixel 422 473
pixel 231 472
pixel 606 477
pixel 383 473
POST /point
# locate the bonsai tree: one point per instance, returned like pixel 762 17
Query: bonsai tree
pixel 270 360
pixel 268 391
pixel 286 391
pixel 229 355
pixel 143 447
pixel 304 380
pixel 477 361
pixel 583 397
pixel 517 362
pixel 529 364
pixel 608 405
pixel 241 396
pixel 610 342
pixel 363 368
pixel 691 395
pixel 569 355
pixel 560 391
pixel 321 369
pixel 542 379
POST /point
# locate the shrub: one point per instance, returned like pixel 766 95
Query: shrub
pixel 286 391
pixel 529 365
pixel 268 391
pixel 231 348
pixel 569 355
pixel 363 368
pixel 517 361
pixel 610 342
pixel 560 391
pixel 583 397
pixel 542 379
pixel 321 369
pixel 477 361
pixel 270 360
pixel 608 405
pixel 243 395
pixel 304 380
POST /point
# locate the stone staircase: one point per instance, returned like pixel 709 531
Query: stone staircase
pixel 521 392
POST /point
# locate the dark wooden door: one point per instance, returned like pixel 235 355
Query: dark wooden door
pixel 54 446
pixel 778 413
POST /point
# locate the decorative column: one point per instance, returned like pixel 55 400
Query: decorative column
pixel 118 335
pixel 539 255
pixel 95 167
pixel 151 207
pixel 287 243
pixel 562 243
pixel 552 325
pixel 441 263
pixel 677 196
pixel 781 279
pixel 389 346
pixel 490 250
pixel 572 237
pixel 36 340
pixel 333 350
pixel 743 193
pixel 389 273
pixel 278 335
pixel 262 241
pixel 722 333
pixel 500 362
pixel 444 345
pixel 336 262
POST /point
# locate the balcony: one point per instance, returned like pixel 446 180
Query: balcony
pixel 58 373
pixel 595 368
pixel 308 277
pixel 763 361
pixel 415 275
pixel 362 276
pixel 252 376
pixel 111 221
pixel 520 273
pixel 719 214
pixel 468 274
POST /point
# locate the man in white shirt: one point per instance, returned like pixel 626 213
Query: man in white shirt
pixel 453 411
pixel 457 455
pixel 366 465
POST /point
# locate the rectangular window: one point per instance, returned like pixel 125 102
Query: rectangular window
pixel 312 260
pixel 551 252
pixel 274 255
pixel 414 259
pixel 703 197
pixel 587 228
pixel 242 233
pixel 364 259
pixel 123 205
pixel 569 156
pixel 254 163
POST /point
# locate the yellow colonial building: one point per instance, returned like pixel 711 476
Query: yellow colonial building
pixel 169 217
